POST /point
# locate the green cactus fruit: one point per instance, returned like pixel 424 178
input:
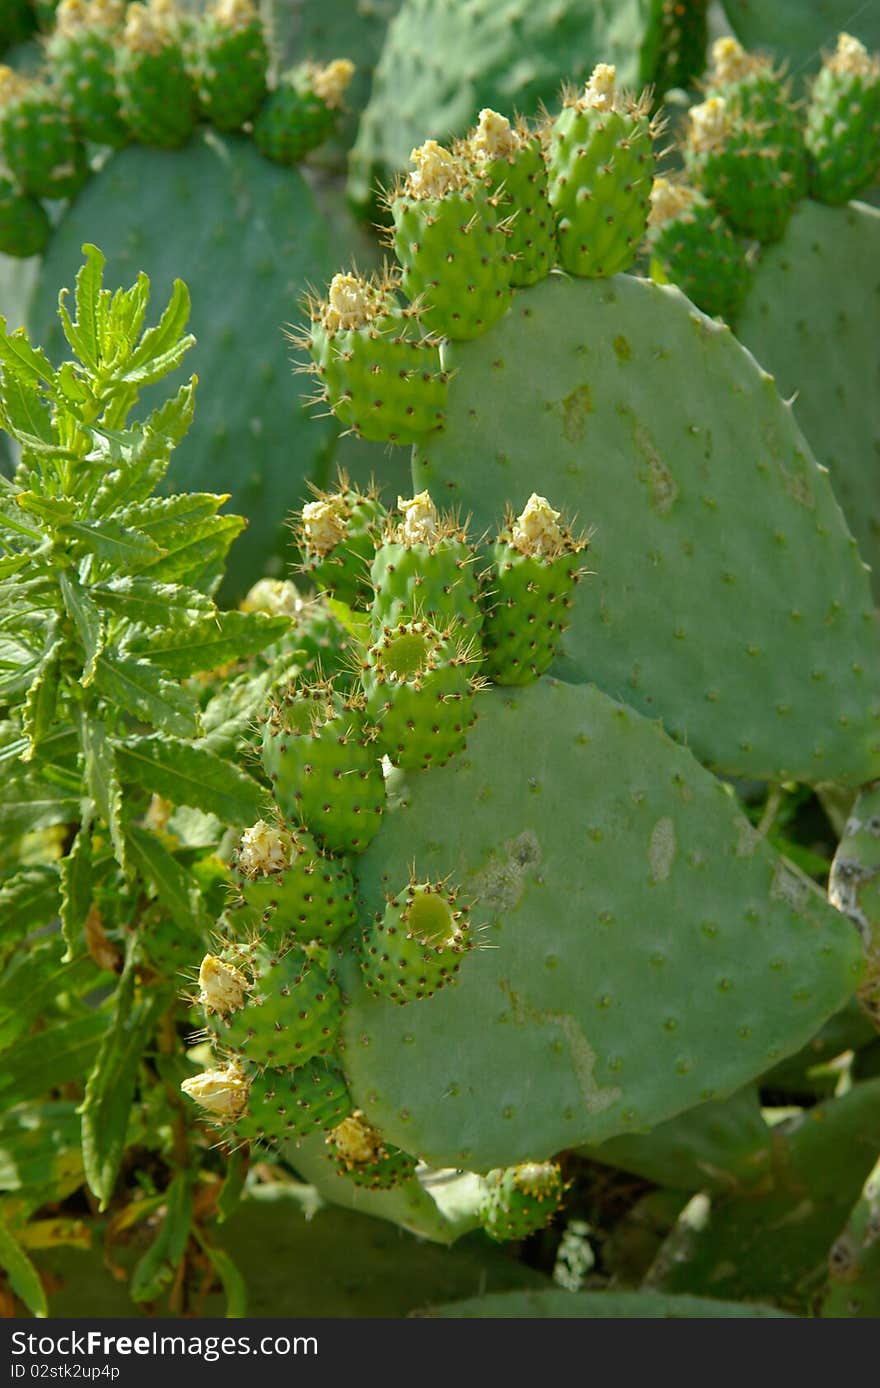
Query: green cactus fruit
pixel 81 55
pixel 745 145
pixel 527 593
pixel 336 537
pixel 519 1200
pixel 361 1154
pixel 684 32
pixel 379 373
pixel 854 888
pixel 157 98
pixel 281 873
pixel 854 1260
pixel 424 567
pixel 754 646
pixel 321 756
pixel 510 162
pixel 302 110
pixel 450 244
pixel 270 1106
pixel 843 123
pixel 230 63
pixel 810 318
pixel 37 144
pixel 692 245
pixel 442 62
pixel 417 944
pixel 24 222
pixel 601 162
pixel 276 1009
pixel 650 951
pixel 420 684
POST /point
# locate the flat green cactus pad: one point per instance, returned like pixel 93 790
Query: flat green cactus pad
pixel 246 237
pixel 728 598
pixel 558 1305
pixel 854 1262
pixel 811 318
pixel 645 950
pixel 798 31
pixel 773 1242
pixel 442 62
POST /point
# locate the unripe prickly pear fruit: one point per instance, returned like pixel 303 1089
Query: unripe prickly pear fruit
pixel 24 223
pixel 37 143
pixel 519 1200
pixel 745 146
pixel 424 567
pixel 291 887
pixel 417 945
pixel 601 162
pixel 336 534
pixel 271 1105
pixel 360 1153
pixel 81 54
pixel 692 245
pixel 321 756
pixel 509 161
pixel 843 123
pixel 380 374
pixel 302 111
pixel 277 1009
pixel 231 62
pixel 451 245
pixel 527 593
pixel 157 97
pixel 420 685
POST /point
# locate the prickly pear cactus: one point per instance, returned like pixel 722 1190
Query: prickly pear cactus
pixel 256 230
pixel 843 123
pixel 854 888
pixel 854 1261
pixel 692 246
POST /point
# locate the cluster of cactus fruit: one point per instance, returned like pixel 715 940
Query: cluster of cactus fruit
pixel 751 154
pixel 270 994
pixel 149 74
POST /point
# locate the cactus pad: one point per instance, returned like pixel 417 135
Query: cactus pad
pixel 646 952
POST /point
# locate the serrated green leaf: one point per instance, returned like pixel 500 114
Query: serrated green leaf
pixel 31 802
pixel 146 452
pixel 87 620
pixel 29 900
pixel 161 340
pixel 39 1068
pixel 143 601
pixel 176 888
pixel 99 760
pixel 119 545
pixel 138 688
pixel 49 508
pixel 13 563
pixel 25 415
pixel 22 359
pixel 89 280
pixel 228 715
pixel 32 982
pixel 38 710
pixel 127 310
pixel 202 545
pixel 111 1085
pixel 70 385
pixel 160 366
pixel 77 887
pixel 157 1268
pixel 166 518
pixel 191 775
pixel 40 1151
pixel 19 666
pixel 23 1276
pixel 212 642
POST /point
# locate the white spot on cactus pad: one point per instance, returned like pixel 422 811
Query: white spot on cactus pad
pixel 222 989
pixel 437 172
pixel 662 849
pixel 493 138
pixel 331 82
pixel 536 530
pixel 599 93
pixel 709 124
pixel 223 1093
pixel 324 524
pixel 852 58
pixel 420 524
pixel 670 201
pixel 264 848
